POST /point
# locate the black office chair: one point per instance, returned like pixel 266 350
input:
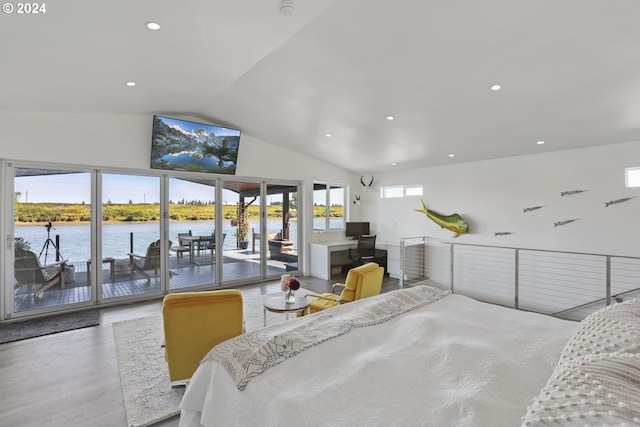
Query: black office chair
pixel 365 252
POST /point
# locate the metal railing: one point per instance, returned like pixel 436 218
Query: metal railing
pixel 570 285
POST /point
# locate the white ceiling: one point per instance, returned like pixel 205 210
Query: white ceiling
pixel 569 69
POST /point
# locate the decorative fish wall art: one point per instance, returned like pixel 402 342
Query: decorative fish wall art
pixel 565 222
pixel 572 192
pixel 452 222
pixel 533 208
pixel 615 202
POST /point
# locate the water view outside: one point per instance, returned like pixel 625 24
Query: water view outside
pixel 74 245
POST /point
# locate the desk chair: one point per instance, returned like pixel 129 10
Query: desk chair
pixel 365 251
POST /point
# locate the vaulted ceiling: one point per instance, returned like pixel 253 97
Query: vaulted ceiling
pixel 569 72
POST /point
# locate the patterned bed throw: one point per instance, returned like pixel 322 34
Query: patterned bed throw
pixel 251 354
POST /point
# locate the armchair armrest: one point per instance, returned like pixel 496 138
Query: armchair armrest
pixel 337 285
pixel 136 255
pixel 336 299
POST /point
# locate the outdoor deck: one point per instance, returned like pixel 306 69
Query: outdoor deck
pixel 237 266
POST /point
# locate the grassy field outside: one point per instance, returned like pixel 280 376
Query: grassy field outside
pixel 69 212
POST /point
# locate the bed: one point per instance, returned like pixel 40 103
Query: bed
pixel 421 356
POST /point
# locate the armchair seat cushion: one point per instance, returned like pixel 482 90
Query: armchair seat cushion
pixel 361 282
pixel 319 304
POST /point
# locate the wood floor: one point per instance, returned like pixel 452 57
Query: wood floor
pixel 71 378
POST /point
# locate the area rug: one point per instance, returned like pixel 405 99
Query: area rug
pixel 48 325
pixel 148 396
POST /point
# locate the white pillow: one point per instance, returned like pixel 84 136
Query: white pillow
pixel 597 380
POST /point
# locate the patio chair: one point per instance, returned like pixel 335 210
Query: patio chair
pixel 150 261
pixel 29 272
pixel 210 245
pixel 182 247
pixel 256 236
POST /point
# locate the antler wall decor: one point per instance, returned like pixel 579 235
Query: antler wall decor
pixel 356 199
pixel 366 186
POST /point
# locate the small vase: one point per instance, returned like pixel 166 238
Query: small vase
pixel 290 297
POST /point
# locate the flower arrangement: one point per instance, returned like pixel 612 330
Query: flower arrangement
pixel 289 284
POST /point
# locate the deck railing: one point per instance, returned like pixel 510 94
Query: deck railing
pixel 570 285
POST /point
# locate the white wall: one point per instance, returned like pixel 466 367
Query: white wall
pixel 124 141
pixel 491 196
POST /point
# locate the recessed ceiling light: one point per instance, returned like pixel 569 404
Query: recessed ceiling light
pixel 328 135
pixel 152 25
pixel 390 117
pixel 393 164
pixel 452 155
pixel 495 87
pixel 540 142
pixel 130 84
pixel 286 7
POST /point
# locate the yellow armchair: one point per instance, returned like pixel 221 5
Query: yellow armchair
pixel 361 282
pixel 194 322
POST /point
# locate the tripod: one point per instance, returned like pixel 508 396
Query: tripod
pixel 45 247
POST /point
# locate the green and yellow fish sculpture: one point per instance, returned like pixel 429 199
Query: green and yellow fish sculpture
pixel 453 222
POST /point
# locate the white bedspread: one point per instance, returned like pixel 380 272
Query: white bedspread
pixel 455 362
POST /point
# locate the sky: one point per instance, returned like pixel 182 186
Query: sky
pixel 76 188
pixel 191 126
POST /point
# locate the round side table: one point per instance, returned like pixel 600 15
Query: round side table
pixel 276 303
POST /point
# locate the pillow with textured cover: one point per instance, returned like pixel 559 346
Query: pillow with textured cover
pixel 597 379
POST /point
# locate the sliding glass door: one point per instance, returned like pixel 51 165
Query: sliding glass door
pixel 84 237
pixel 51 238
pixel 282 229
pixel 192 227
pixel 241 210
pixel 131 259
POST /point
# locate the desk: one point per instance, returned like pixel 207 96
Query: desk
pixel 276 303
pixel 112 265
pixel 324 255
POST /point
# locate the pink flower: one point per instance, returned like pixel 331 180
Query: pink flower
pixel 294 284
pixel 284 282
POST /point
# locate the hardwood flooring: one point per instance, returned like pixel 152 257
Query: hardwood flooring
pixel 71 378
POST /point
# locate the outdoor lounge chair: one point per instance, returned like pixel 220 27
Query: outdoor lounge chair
pixel 150 261
pixel 29 272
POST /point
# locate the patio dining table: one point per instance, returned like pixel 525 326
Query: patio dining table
pixel 197 243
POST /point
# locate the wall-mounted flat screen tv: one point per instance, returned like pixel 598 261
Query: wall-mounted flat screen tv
pixel 191 146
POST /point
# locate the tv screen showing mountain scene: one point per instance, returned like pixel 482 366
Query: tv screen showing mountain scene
pixel 191 146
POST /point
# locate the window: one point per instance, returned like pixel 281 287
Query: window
pixel 328 206
pixel 395 191
pixel 632 177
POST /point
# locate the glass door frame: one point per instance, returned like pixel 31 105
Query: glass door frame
pixel 7 307
pixel 7 228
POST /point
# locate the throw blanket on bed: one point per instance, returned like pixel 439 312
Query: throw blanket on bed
pixel 249 355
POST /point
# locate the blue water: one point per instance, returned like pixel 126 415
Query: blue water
pixel 75 240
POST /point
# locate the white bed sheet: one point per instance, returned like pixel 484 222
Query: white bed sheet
pixel 455 362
